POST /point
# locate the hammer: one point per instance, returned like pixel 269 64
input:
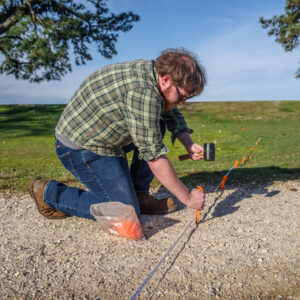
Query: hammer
pixel 209 153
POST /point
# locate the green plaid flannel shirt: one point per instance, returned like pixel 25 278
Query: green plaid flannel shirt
pixel 117 105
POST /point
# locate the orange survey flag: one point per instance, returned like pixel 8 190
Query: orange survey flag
pixel 223 182
pixel 199 187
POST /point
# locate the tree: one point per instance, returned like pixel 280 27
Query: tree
pixel 37 36
pixel 286 28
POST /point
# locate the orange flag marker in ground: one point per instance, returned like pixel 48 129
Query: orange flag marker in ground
pixel 199 187
pixel 223 182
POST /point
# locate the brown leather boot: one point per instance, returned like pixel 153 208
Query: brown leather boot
pixel 36 189
pixel 152 206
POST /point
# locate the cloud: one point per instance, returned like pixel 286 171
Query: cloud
pixel 245 64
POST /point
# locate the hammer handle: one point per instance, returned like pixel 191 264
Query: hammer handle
pixel 186 156
pixel 183 157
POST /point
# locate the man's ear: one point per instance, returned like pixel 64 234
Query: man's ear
pixel 165 82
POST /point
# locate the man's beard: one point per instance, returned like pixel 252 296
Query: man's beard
pixel 167 93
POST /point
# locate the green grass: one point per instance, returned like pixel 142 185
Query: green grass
pixel 27 143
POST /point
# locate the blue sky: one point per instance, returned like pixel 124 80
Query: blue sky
pixel 242 61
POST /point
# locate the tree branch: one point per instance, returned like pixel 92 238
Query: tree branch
pixel 34 17
pixel 41 52
pixel 73 12
pixel 13 19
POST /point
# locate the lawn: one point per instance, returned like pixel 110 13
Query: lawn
pixel 27 143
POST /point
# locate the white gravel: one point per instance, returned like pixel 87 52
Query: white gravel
pixel 247 247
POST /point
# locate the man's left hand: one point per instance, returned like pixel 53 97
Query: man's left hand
pixel 196 152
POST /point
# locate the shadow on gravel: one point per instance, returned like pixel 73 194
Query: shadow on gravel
pixel 228 206
pixel 151 224
pixel 258 180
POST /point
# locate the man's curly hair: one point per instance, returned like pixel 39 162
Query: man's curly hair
pixel 184 68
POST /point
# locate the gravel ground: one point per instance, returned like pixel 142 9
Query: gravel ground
pixel 246 247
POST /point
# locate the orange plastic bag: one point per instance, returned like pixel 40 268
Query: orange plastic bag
pixel 118 218
pixel 129 229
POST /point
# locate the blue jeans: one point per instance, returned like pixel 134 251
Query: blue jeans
pixel 106 179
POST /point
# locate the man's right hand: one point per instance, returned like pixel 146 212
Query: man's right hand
pixel 196 199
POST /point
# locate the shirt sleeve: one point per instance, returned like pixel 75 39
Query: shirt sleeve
pixel 175 123
pixel 143 114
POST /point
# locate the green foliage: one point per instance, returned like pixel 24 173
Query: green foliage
pixel 286 28
pixel 36 36
pixel 27 144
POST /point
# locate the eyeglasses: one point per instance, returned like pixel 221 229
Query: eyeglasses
pixel 180 96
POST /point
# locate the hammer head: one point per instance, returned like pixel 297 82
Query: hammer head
pixel 209 151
